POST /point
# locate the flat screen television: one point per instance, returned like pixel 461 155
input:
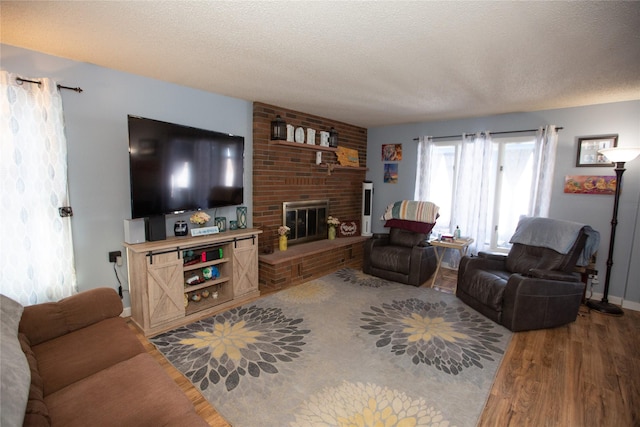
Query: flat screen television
pixel 175 168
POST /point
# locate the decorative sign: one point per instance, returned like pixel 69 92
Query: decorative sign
pixel 348 157
pixel 204 231
pixel 589 184
pixel 349 228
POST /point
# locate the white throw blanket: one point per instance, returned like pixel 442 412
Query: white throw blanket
pixel 556 234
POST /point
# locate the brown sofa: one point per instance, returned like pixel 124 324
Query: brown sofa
pixel 81 365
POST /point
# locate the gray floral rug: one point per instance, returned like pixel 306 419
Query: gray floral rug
pixel 347 349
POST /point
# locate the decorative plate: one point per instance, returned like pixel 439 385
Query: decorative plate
pixel 349 228
pixel 300 135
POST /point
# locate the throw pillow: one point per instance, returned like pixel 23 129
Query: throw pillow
pixel 14 369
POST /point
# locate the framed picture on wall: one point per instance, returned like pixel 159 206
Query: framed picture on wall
pixel 588 147
pixel 391 152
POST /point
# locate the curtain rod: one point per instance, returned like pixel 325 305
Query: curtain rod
pixel 21 80
pixel 492 133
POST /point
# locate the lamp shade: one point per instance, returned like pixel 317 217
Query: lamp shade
pixel 620 154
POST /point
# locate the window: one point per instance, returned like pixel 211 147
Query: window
pixel 509 180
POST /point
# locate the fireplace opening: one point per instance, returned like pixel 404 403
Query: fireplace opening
pixel 307 220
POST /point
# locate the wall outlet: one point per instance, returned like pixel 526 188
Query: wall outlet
pixel 113 256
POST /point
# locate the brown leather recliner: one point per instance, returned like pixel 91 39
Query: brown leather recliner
pixel 401 256
pixel 530 288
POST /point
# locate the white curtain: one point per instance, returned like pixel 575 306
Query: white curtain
pixel 36 256
pixel 423 170
pixel 471 201
pixel 544 164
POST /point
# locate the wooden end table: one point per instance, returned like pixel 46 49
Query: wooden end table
pixel 440 247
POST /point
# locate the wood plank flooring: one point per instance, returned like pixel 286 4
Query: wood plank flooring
pixel 583 374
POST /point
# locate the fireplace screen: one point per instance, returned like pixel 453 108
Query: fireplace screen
pixel 307 220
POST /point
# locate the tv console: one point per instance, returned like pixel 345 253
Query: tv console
pixel 179 280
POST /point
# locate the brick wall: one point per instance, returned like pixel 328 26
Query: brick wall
pixel 282 173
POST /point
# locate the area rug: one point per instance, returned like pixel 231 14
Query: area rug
pixel 347 349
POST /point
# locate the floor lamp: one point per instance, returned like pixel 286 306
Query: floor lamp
pixel 619 156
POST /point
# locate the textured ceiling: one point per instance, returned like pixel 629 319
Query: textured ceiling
pixel 365 63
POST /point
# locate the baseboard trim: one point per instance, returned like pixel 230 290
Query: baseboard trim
pixel 629 305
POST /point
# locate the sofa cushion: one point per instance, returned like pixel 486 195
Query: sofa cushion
pixel 43 322
pixel 84 352
pixel 135 392
pixel 14 368
pixel 36 413
pixel 392 258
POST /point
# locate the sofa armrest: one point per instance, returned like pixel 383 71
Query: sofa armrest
pixel 46 321
pixel 492 256
pixel 533 303
pixel 480 262
pixel 554 275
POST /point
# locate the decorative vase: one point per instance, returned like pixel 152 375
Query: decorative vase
pixel 282 243
pixel 221 223
pixel 241 213
pixel 332 233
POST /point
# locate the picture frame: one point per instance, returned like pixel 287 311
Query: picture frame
pixel 588 147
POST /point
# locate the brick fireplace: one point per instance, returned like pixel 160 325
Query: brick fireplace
pixel 289 174
pixel 306 219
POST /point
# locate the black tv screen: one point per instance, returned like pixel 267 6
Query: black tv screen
pixel 175 168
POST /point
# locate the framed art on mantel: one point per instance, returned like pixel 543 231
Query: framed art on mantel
pixel 588 147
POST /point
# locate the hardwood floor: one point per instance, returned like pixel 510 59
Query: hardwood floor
pixel 583 374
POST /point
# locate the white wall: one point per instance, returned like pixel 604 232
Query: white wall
pixel 98 157
pixel 596 210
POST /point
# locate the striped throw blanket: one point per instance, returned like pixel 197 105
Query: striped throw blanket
pixel 412 210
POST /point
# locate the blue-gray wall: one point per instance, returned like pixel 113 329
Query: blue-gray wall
pixel 596 210
pixel 98 142
pixel 99 168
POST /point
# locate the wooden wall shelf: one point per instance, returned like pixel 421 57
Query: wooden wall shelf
pixel 304 146
pixel 335 166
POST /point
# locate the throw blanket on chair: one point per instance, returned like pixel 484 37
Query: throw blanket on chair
pixel 556 234
pixel 412 210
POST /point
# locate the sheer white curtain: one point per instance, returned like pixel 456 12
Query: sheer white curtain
pixel 472 198
pixel 544 164
pixel 36 256
pixel 423 170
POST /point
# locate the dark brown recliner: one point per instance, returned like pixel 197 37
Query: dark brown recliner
pixel 401 256
pixel 530 288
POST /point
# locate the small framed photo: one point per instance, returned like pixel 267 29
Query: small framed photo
pixel 588 147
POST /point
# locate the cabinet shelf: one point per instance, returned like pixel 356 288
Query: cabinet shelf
pixel 201 305
pixel 304 146
pixel 199 265
pixel 206 284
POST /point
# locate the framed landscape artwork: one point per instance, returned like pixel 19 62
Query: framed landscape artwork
pixel 588 147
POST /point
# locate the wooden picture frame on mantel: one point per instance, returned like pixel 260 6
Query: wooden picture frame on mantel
pixel 588 147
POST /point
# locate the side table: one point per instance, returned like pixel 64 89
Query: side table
pixel 440 247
